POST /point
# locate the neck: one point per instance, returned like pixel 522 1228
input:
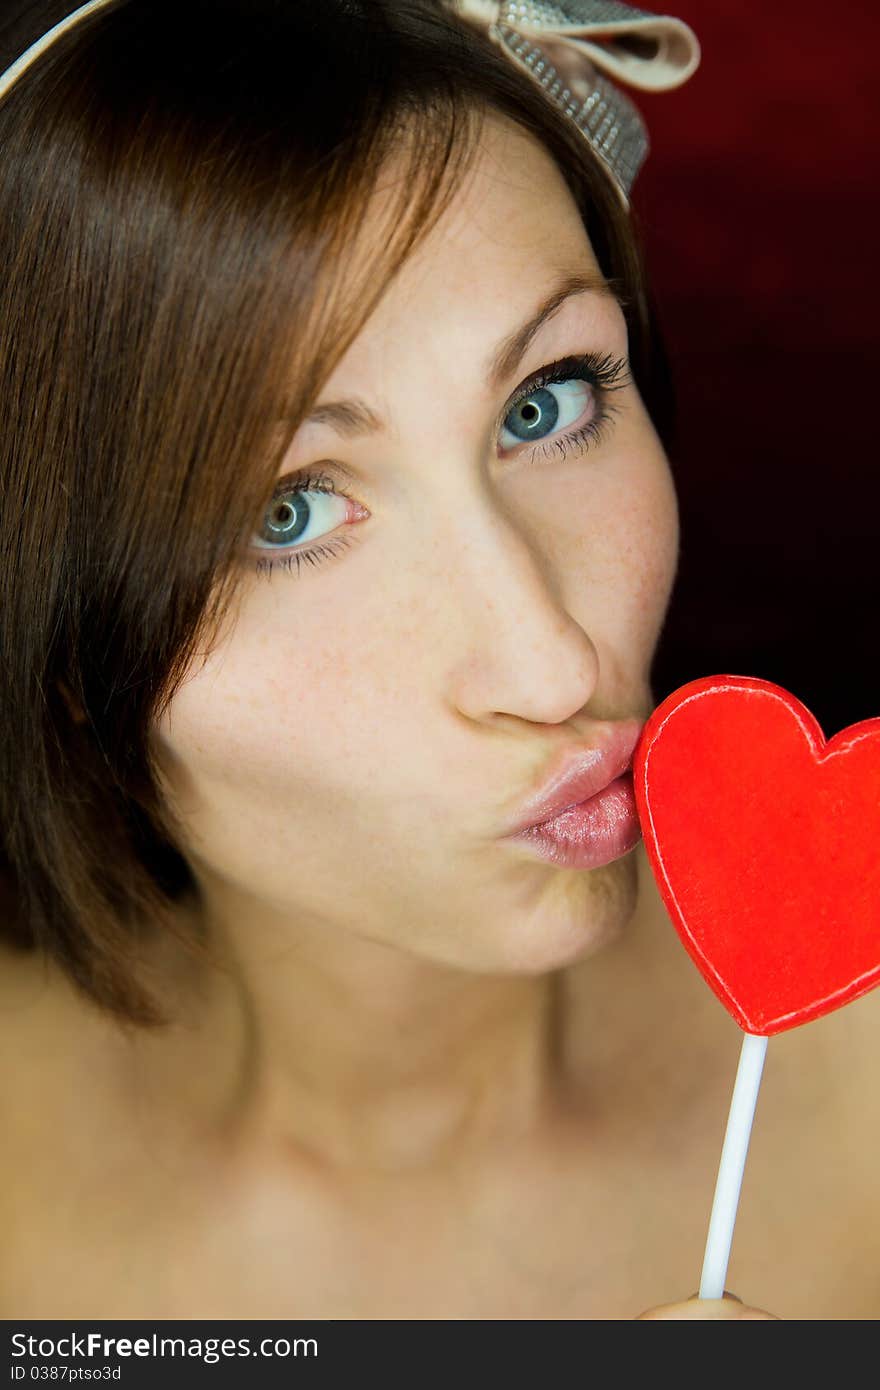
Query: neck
pixel 357 1055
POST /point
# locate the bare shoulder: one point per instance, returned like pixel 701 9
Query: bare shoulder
pixel 25 1007
pixel 25 986
pixel 56 1117
pixel 38 1045
pixel 53 1044
pixel 36 1007
pixel 58 1061
pixel 807 1241
pixel 808 1229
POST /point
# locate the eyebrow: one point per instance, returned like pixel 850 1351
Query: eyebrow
pixel 354 416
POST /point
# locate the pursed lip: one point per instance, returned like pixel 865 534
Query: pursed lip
pixel 577 773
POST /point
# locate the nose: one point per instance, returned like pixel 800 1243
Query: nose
pixel 524 654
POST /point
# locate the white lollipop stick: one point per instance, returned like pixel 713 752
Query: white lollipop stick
pixel 733 1161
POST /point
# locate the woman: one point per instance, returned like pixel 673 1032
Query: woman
pixel 337 522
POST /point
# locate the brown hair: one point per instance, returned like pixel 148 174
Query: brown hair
pixel 182 185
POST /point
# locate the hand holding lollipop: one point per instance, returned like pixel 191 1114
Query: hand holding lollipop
pixel 763 840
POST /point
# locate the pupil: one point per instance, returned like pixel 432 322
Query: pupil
pixel 535 417
pixel 286 521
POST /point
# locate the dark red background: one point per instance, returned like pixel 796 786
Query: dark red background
pixel 759 203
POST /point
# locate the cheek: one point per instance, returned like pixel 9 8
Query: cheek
pixel 274 716
pixel 650 543
pixel 647 521
pixel 617 542
pixel 221 722
pixel 259 700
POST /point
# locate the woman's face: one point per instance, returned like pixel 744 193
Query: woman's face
pixel 349 760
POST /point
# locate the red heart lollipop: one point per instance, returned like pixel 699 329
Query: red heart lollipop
pixel 764 840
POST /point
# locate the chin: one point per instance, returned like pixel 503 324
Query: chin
pixel 577 914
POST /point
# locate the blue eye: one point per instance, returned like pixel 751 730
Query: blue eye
pixel 546 409
pixel 302 509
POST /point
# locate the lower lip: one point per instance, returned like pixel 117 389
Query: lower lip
pixel 593 833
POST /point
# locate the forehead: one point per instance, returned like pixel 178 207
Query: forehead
pixel 510 228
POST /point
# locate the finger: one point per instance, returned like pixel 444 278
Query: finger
pixel 729 1308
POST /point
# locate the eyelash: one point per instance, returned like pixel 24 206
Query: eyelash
pixel 605 374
